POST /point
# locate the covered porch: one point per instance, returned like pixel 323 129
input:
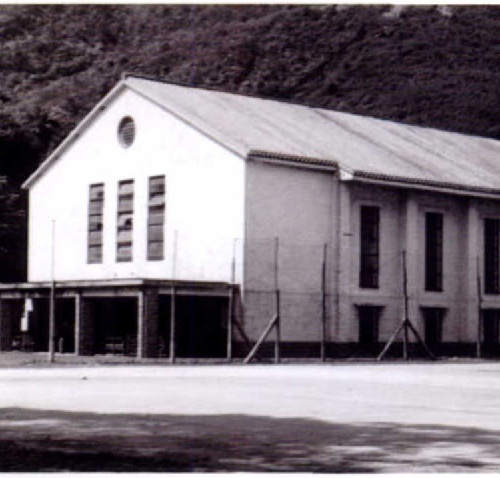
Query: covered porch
pixel 137 318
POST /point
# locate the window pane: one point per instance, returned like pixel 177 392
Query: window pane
pixel 157 200
pixel 491 256
pixel 369 247
pixel 126 205
pixel 95 223
pixel 124 252
pixel 156 217
pixel 155 250
pixel 124 236
pixel 125 187
pixel 125 221
pixel 434 252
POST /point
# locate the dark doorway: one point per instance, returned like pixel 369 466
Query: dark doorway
pixel 491 329
pixel 115 325
pixel 39 325
pixel 164 326
pixel 11 336
pixel 65 326
pixel 433 327
pixel 201 326
pixel 368 332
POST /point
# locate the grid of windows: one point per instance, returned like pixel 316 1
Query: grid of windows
pixel 156 217
pixel 491 256
pixel 434 252
pixel 95 223
pixel 125 221
pixel 369 247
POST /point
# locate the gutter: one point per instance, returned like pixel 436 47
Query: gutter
pixel 422 184
pixel 282 159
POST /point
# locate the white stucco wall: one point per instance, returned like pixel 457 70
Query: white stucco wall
pixel 296 207
pixel 204 200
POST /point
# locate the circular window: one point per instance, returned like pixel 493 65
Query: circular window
pixel 126 131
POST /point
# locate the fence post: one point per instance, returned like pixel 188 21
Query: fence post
pixel 277 345
pixel 323 304
pixel 172 338
pixel 52 305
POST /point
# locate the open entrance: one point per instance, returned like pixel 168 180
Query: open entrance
pixel 200 326
pixel 368 329
pixel 164 302
pixel 433 327
pixel 29 324
pixel 39 325
pixel 65 326
pixel 491 332
pixel 115 325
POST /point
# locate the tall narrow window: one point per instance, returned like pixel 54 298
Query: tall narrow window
pixel 491 256
pixel 125 221
pixel 156 217
pixel 95 223
pixel 369 247
pixel 434 252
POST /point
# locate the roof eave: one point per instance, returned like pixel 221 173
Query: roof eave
pixel 426 185
pixel 283 159
pixel 73 136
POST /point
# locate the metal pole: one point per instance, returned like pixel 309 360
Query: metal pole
pixel 229 346
pixel 323 304
pixel 52 305
pixel 405 289
pixel 172 305
pixel 231 305
pixel 172 327
pixel 479 313
pixel 277 351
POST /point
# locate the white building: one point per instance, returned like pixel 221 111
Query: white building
pixel 221 199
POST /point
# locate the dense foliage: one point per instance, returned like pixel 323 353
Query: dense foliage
pixel 435 66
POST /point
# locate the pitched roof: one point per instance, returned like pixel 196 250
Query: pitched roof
pixel 362 145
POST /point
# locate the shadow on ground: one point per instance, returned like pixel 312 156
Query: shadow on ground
pixel 34 440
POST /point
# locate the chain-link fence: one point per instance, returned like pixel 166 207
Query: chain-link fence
pixel 277 277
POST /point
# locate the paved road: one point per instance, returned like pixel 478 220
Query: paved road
pixel 397 417
pixel 447 394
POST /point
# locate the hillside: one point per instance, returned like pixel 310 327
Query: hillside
pixel 434 66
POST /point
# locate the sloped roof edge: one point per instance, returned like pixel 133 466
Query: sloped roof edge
pixel 453 188
pixel 205 132
pixel 74 135
pixel 305 161
pixel 365 176
pixel 325 157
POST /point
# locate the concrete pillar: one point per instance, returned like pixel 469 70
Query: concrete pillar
pixel 78 299
pixel 470 294
pixel 344 327
pixel 147 329
pixel 5 327
pixel 84 326
pixel 412 244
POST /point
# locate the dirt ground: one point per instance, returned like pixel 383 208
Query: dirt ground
pixel 338 417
